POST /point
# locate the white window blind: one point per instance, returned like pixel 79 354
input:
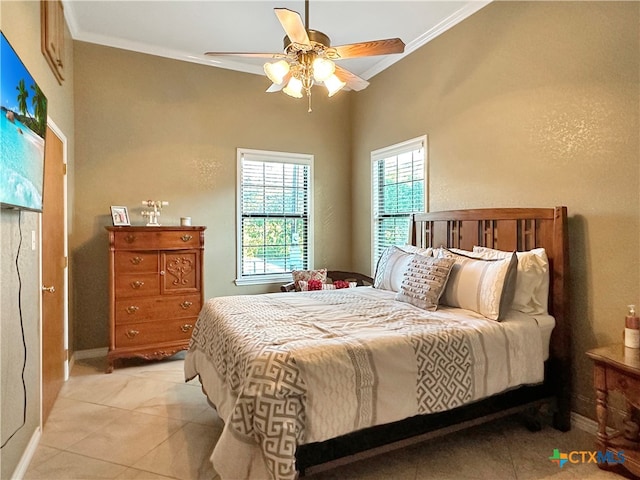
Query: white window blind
pixel 398 190
pixel 274 210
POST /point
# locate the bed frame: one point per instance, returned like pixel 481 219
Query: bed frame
pixel 504 229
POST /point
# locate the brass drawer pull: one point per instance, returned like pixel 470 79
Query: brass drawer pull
pixel 137 284
pixel 186 304
pixel 130 238
pixel 131 333
pixel 132 309
pixel 136 260
pixel 186 327
pixel 186 238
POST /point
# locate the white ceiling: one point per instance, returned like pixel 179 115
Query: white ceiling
pixel 184 30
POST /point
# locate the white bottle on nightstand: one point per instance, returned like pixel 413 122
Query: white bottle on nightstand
pixel 632 329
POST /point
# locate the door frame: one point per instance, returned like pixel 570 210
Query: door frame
pixel 63 138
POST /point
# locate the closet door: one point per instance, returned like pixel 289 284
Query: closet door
pixel 54 268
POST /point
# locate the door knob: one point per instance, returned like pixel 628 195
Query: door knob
pixel 50 289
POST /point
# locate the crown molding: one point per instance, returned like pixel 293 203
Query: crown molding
pixel 449 22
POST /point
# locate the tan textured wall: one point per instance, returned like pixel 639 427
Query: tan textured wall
pixel 528 104
pixel 153 128
pixel 20 22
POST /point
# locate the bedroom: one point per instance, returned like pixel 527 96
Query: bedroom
pixel 542 112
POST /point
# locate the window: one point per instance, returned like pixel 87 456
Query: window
pixel 398 190
pixel 275 227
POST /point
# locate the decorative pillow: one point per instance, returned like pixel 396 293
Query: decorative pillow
pixel 344 284
pixel 532 282
pixel 424 281
pixel 391 267
pixel 306 275
pixel 309 285
pixel 483 286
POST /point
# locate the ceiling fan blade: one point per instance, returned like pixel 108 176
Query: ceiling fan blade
pixel 292 25
pixel 244 54
pixel 368 49
pixel 277 88
pixel 353 81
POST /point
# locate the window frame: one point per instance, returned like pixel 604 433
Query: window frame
pixel 280 158
pixel 385 153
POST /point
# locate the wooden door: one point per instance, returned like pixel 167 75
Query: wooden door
pixel 54 353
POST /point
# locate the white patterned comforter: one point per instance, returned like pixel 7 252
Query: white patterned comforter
pixel 291 368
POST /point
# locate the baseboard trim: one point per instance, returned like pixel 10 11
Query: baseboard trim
pixel 583 423
pixel 27 455
pixel 588 425
pixel 91 353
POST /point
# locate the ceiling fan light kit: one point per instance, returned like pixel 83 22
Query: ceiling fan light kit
pixel 277 71
pixel 308 58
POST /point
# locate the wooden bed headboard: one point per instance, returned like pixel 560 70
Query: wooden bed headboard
pixel 515 229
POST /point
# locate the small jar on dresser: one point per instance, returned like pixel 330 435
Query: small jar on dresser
pixel 155 290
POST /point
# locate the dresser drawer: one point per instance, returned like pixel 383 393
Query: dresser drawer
pixel 149 333
pixel 140 285
pixel 134 310
pixel 161 240
pixel 136 262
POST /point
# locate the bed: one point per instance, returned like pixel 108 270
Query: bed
pixel 308 378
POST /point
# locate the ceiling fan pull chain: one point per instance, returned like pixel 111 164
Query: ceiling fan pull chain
pixel 309 96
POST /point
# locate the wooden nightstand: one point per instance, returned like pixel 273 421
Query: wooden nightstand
pixel 617 368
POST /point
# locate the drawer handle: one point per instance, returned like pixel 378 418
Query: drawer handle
pixel 186 304
pixel 136 260
pixel 186 327
pixel 132 309
pixel 186 238
pixel 137 284
pixel 130 238
pixel 132 333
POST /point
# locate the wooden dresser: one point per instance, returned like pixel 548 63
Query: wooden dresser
pixel 155 290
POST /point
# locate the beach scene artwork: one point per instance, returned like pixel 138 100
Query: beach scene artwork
pixel 23 122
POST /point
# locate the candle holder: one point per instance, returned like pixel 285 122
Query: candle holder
pixel 155 213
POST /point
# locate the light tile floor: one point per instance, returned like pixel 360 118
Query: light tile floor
pixel 144 422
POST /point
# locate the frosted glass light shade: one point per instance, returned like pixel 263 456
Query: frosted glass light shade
pixel 322 69
pixel 293 88
pixel 276 71
pixel 334 85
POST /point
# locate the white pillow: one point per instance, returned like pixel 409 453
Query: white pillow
pixel 532 282
pixel 483 286
pixel 424 281
pixel 390 269
pixel 427 252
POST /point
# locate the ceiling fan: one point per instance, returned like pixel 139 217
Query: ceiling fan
pixel 308 58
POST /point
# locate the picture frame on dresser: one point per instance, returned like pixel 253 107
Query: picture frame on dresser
pixel 120 216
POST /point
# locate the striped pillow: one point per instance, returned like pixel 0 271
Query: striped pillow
pixel 424 281
pixel 532 281
pixel 483 286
